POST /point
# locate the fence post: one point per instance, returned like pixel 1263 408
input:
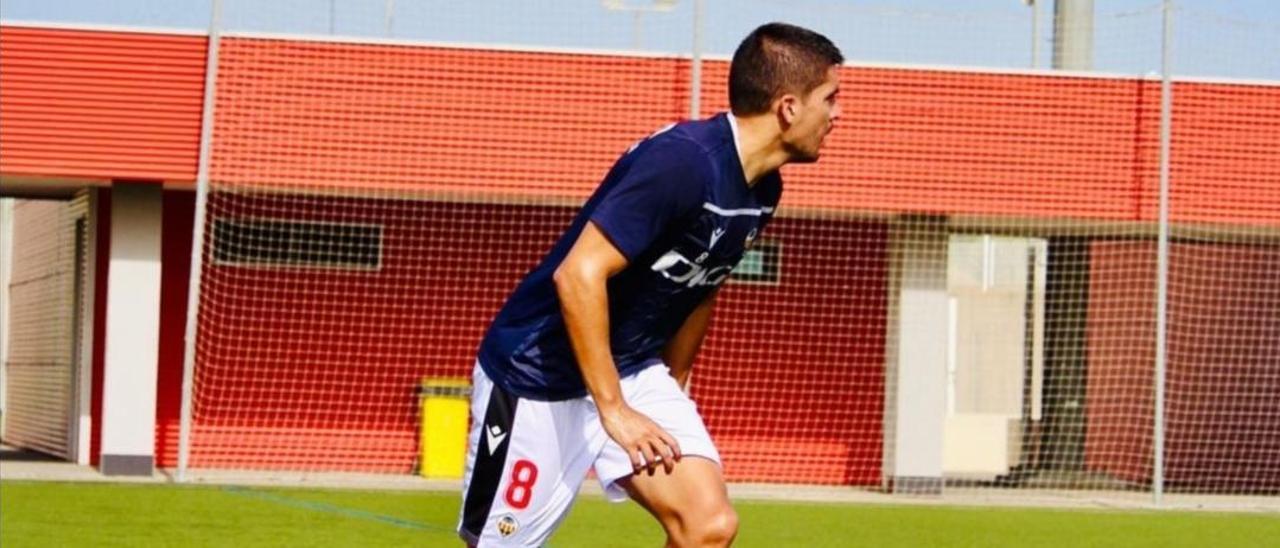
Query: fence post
pixel 695 73
pixel 1162 255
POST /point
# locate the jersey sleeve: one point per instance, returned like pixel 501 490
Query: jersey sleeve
pixel 665 182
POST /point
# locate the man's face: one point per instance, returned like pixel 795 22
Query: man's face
pixel 814 118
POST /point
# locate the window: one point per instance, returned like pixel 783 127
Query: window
pixel 762 264
pixel 297 244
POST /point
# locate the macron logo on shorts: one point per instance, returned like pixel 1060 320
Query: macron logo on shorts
pixel 495 435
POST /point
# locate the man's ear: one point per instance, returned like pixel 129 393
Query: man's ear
pixel 788 107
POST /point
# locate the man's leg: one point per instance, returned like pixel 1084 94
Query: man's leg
pixel 691 502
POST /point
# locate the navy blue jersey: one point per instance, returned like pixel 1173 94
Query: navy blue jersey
pixel 678 207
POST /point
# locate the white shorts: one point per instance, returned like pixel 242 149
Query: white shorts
pixel 523 475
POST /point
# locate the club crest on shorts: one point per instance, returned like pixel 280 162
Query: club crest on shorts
pixel 507 525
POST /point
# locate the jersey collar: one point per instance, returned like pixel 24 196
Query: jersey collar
pixel 737 141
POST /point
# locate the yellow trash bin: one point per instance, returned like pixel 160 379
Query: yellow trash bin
pixel 445 405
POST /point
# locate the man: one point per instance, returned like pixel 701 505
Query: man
pixel 583 366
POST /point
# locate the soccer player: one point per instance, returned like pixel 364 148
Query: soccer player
pixel 585 363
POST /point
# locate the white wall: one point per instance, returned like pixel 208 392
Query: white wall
pixel 916 397
pixel 132 330
pixel 86 206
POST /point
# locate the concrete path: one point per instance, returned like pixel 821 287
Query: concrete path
pixel 20 465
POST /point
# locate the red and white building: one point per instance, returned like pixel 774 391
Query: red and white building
pixel 461 165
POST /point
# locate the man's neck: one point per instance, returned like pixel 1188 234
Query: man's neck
pixel 759 146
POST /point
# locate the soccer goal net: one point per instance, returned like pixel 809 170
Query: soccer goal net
pixel 970 289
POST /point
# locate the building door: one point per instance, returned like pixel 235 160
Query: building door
pixel 39 367
pixel 995 364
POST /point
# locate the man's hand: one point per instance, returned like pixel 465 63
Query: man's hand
pixel 643 440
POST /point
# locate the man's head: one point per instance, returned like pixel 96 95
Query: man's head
pixel 790 73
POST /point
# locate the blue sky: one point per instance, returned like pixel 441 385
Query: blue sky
pixel 1215 38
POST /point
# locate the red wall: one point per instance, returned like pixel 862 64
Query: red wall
pixel 102 272
pixel 430 119
pixel 521 125
pixel 311 114
pixel 175 269
pixel 317 369
pixel 100 105
pixel 1223 369
pixel 1121 348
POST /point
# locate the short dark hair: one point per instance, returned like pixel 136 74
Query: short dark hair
pixel 778 58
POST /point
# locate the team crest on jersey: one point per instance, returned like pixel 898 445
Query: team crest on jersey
pixel 507 525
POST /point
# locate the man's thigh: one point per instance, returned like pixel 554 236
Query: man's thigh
pixel 692 492
pixel 525 462
pixel 654 393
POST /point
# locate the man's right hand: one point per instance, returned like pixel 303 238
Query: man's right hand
pixel 644 441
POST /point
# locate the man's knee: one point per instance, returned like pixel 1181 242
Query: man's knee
pixel 711 527
pixel 722 526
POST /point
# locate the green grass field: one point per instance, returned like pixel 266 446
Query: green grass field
pixel 98 514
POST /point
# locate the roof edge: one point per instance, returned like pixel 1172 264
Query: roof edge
pixel 497 46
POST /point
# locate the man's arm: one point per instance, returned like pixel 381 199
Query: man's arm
pixel 683 347
pixel 581 282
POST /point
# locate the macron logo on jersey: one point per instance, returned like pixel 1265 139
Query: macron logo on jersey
pixel 715 236
pixel 495 435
